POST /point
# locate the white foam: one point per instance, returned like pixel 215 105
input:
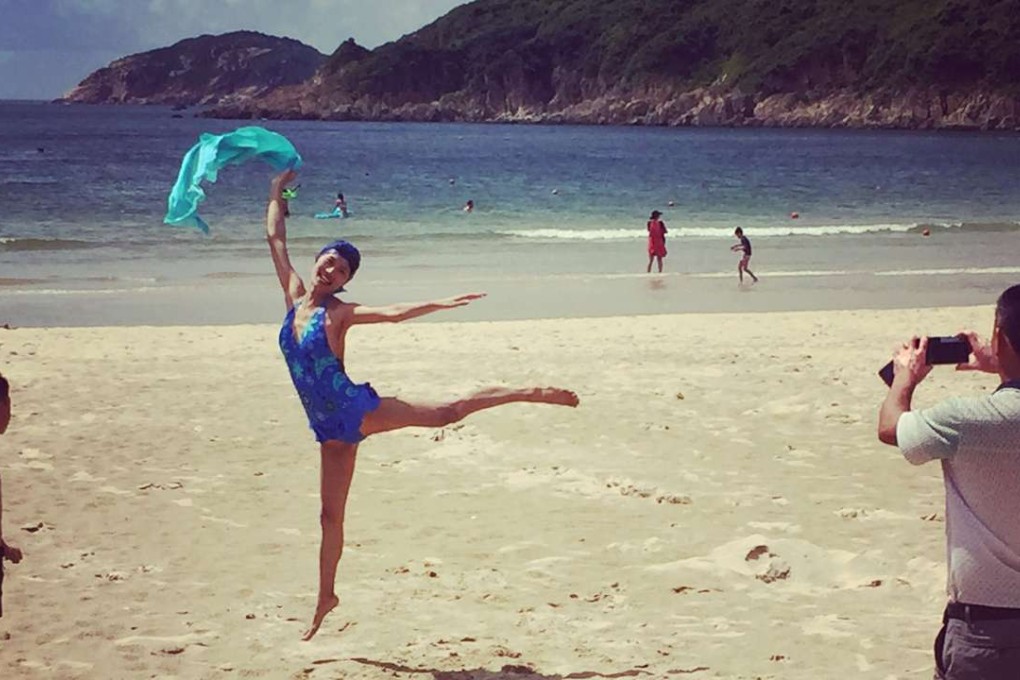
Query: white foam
pixel 550 234
pixel 577 234
pixel 950 271
pixel 799 230
pixel 783 274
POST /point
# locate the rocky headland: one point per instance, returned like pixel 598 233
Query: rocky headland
pixel 201 71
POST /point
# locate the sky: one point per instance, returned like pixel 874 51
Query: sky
pixel 49 46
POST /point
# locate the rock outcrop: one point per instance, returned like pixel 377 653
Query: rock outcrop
pixel 912 109
pixel 201 71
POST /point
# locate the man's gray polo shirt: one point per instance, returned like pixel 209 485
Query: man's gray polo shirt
pixel 978 441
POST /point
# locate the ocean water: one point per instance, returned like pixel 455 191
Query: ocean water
pixel 558 228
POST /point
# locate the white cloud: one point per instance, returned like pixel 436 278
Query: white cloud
pixel 72 29
pixel 323 24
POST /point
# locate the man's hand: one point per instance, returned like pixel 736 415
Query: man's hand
pixel 9 552
pixel 910 365
pixel 984 359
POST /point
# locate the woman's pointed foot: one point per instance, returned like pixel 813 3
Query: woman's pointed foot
pixel 555 395
pixel 324 607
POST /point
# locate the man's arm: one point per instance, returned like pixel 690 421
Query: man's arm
pixel 403 312
pixel 909 369
pixel 921 436
pixel 7 551
pixel 896 403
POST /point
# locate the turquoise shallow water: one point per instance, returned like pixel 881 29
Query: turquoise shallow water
pixel 558 227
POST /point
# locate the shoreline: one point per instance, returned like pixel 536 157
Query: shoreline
pixel 789 114
pixel 256 299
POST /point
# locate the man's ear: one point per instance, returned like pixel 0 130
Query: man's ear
pixel 1001 346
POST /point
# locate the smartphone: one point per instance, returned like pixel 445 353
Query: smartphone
pixel 948 350
pixel 941 350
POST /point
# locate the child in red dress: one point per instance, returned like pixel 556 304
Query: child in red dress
pixel 656 240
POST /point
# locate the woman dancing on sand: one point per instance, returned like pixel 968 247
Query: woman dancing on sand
pixel 340 412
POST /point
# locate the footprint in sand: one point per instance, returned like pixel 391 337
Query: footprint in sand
pixel 229 522
pixel 82 476
pixel 168 486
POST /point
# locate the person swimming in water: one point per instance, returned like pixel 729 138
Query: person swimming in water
pixel 341 413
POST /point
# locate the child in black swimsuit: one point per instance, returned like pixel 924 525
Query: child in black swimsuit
pixel 745 247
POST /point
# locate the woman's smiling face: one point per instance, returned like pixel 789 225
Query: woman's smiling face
pixel 331 271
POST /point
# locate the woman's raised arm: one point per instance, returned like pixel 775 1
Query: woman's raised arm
pixel 276 236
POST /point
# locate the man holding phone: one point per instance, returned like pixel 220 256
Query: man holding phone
pixel 7 551
pixel 977 440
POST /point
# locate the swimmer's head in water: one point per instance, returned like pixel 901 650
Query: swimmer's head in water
pixel 324 267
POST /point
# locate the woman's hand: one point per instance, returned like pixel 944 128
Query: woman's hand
pixel 460 300
pixel 280 182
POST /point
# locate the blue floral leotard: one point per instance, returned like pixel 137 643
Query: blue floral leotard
pixel 335 405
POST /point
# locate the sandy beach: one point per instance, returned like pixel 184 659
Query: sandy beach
pixel 718 506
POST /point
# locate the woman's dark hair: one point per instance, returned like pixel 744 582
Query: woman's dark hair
pixel 739 231
pixel 5 389
pixel 1007 316
pixel 340 195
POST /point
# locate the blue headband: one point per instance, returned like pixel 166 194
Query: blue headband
pixel 345 250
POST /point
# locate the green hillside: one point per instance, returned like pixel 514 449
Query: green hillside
pixel 762 46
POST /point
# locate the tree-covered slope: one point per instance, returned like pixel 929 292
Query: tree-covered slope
pixel 757 45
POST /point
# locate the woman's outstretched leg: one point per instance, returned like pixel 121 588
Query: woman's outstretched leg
pixel 394 414
pixel 337 471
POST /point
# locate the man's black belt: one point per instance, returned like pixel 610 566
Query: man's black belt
pixel 980 612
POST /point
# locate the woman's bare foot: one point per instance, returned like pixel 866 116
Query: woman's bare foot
pixel 324 607
pixel 554 395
